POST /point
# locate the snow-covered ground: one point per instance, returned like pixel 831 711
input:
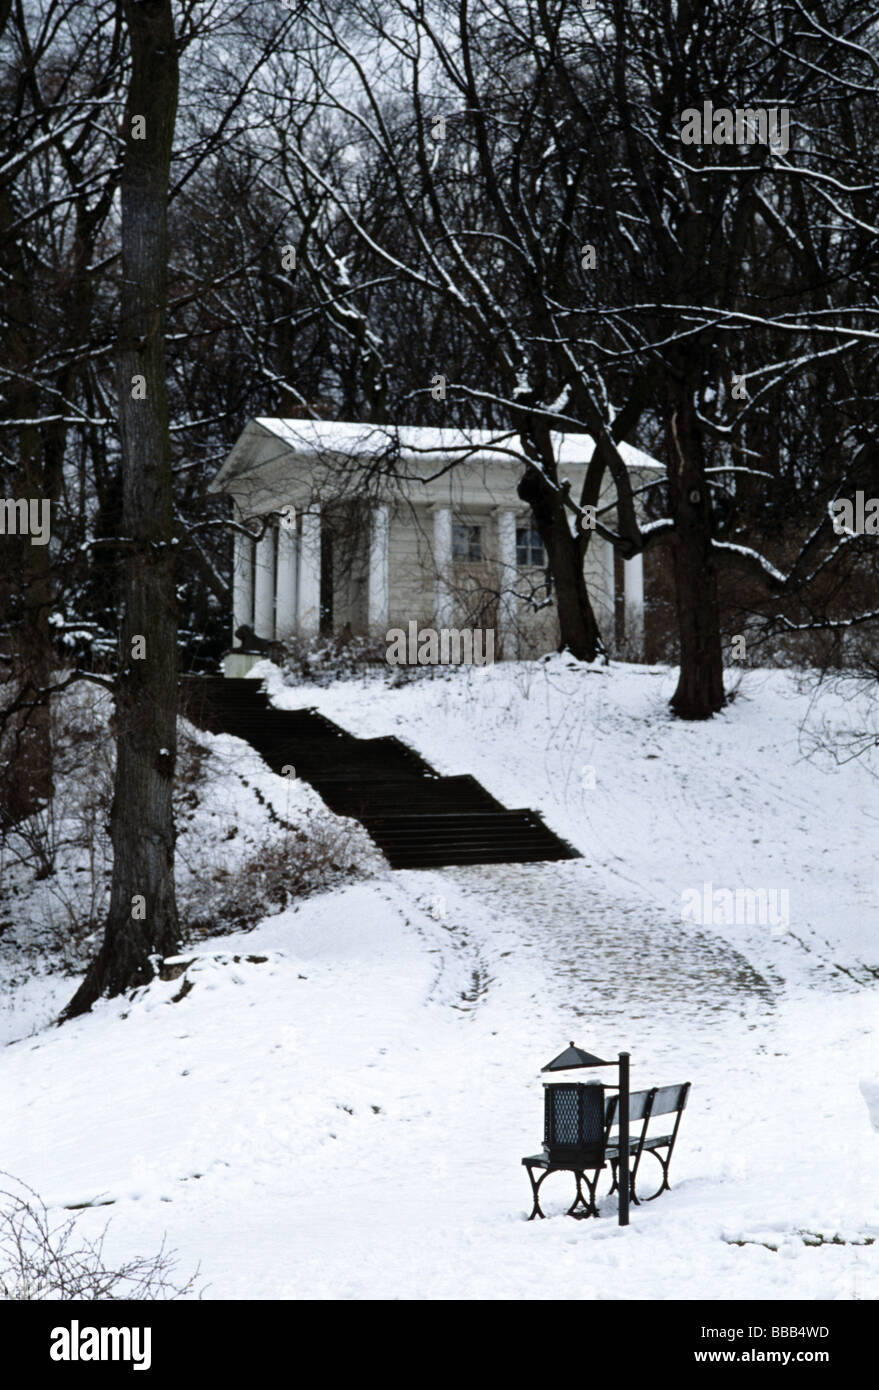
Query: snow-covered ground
pixel 335 1104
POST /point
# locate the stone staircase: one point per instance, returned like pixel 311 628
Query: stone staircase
pixel 419 819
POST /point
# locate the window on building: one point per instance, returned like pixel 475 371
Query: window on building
pixel 466 542
pixel 529 547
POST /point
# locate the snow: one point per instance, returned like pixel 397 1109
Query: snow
pixel 353 439
pixel 754 555
pixel 337 1105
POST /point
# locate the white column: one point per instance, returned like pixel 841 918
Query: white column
pixel 633 571
pixel 264 587
pixel 508 605
pixel 285 606
pixel 378 579
pixel 442 559
pixel 308 587
pixel 242 581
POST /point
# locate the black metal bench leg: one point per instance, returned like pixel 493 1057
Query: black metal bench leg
pixel 535 1189
pixel 590 1207
pixel 588 1204
pixel 633 1196
pixel 593 1205
pixel 580 1200
pixel 664 1164
pixel 615 1185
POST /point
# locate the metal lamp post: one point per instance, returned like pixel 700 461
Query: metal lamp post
pixel 569 1060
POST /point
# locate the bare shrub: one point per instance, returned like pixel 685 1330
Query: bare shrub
pixel 848 728
pixel 320 853
pixel 324 660
pixel 64 847
pixel 55 865
pixel 42 1258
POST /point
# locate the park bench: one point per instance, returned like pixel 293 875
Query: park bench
pixel 645 1106
pixel 598 1122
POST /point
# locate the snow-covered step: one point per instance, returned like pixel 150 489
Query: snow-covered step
pixel 418 819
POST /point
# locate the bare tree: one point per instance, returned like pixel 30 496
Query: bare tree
pixel 479 151
pixel 58 177
pixel 142 922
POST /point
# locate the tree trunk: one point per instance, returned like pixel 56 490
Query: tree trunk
pixel 142 923
pixel 699 693
pixel 578 629
pixel 28 775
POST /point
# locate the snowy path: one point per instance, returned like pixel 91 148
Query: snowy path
pixel 607 959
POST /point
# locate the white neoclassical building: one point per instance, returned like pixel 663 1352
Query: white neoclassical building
pixel 373 527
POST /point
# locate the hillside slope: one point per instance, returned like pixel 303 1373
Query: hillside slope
pixel 335 1103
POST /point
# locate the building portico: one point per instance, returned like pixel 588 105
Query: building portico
pixel 371 528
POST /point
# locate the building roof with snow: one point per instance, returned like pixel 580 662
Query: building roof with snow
pixel 307 459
